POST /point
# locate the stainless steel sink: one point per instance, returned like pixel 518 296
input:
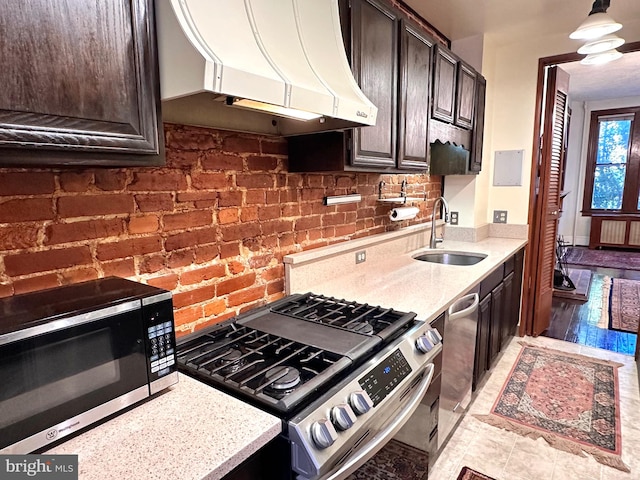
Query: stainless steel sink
pixel 451 258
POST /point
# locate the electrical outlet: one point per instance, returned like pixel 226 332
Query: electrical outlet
pixel 361 256
pixel 453 217
pixel 499 216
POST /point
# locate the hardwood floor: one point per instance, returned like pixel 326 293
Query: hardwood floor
pixel 577 322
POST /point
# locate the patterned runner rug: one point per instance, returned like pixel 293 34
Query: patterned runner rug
pixel 603 258
pixel 467 474
pixel 620 304
pixel 568 399
pixel 396 460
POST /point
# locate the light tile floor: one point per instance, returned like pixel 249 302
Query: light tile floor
pixel 507 456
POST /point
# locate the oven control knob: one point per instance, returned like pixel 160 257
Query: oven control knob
pixel 434 336
pixel 424 344
pixel 342 416
pixel 323 433
pixel 360 402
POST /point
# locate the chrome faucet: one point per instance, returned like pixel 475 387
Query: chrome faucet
pixel 433 241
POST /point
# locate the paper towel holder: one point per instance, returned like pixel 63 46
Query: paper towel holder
pixel 339 199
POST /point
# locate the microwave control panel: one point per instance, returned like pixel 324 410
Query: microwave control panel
pixel 161 338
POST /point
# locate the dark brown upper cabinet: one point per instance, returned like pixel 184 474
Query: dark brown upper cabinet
pixel 444 84
pixel 391 60
pixel 477 134
pixel 465 96
pixel 79 83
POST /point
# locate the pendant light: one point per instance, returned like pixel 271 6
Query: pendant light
pixel 597 24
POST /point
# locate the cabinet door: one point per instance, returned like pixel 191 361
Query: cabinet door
pixel 444 84
pixel 415 82
pixel 374 29
pixel 481 363
pixel 79 83
pixel 497 314
pixel 466 96
pixel 510 314
pixel 477 134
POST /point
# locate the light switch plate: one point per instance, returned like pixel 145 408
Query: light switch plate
pixel 499 216
pixel 453 218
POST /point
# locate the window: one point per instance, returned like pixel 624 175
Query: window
pixel 613 165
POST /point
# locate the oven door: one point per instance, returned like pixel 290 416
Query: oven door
pixel 66 374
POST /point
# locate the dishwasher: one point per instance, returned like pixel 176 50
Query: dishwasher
pixel 458 352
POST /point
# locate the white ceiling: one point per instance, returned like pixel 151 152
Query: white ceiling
pixel 513 19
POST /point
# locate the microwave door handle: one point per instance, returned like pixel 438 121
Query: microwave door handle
pixel 370 448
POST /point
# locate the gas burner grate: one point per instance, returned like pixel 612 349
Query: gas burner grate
pixel 357 317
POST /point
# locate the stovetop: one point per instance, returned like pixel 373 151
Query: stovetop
pixel 281 355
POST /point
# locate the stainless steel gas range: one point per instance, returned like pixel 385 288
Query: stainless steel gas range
pixel 343 376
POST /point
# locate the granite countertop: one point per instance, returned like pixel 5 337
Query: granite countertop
pixel 191 431
pixel 399 281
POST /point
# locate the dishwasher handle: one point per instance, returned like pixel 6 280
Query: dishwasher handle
pixel 455 312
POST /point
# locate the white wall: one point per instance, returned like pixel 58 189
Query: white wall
pixel 573 225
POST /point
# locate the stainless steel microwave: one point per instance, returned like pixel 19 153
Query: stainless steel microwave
pixel 73 355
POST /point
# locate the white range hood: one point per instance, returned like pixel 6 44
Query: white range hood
pixel 223 62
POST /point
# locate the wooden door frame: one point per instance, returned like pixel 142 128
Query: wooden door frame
pixel 533 246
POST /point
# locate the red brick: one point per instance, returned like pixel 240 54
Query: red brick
pixel 273 196
pixel 158 181
pixel 250 306
pixel 230 199
pixel 277 226
pixel 333 219
pixel 94 205
pixel 182 158
pixel 210 181
pixel 218 319
pixel 183 221
pixel 192 238
pixel 281 180
pixel 191 138
pixel 214 308
pixel 25 263
pixel 286 240
pixel 110 180
pixel 202 274
pixel 143 224
pixel 345 182
pixel 75 181
pixel 27 183
pixel 183 197
pixel 206 253
pixel 260 162
pixel 35 283
pixel 181 258
pixel 255 180
pixel 290 210
pixel 228 215
pixel 279 147
pixel 25 210
pixel 221 161
pixel 256 197
pixel 6 290
pixel 229 250
pixel 260 261
pixel 235 284
pixel 152 263
pixel 269 242
pixel 329 232
pixel 249 214
pixel 184 317
pixel 275 287
pixel 18 236
pixel 168 282
pixel 245 296
pixel 241 144
pixel 269 213
pixel 273 273
pixel 79 275
pixel 310 194
pixel 343 230
pixel 128 248
pixel 306 223
pixel 240 232
pixel 119 268
pixel 77 231
pixel 289 196
pixel 191 297
pixel 154 202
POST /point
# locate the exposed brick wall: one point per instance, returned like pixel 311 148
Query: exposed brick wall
pixel 212 226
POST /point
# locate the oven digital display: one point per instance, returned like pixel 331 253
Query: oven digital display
pixel 386 376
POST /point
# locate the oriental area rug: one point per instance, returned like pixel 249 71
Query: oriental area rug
pixel 396 460
pixel 570 400
pixel 620 304
pixel 603 258
pixel 467 474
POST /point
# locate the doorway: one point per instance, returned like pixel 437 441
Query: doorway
pixel 538 281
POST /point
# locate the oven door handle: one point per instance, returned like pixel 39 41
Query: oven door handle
pixel 369 449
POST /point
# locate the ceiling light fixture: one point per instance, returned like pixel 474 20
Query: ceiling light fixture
pixel 597 24
pixel 602 57
pixel 608 42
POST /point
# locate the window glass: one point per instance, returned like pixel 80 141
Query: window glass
pixel 611 162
